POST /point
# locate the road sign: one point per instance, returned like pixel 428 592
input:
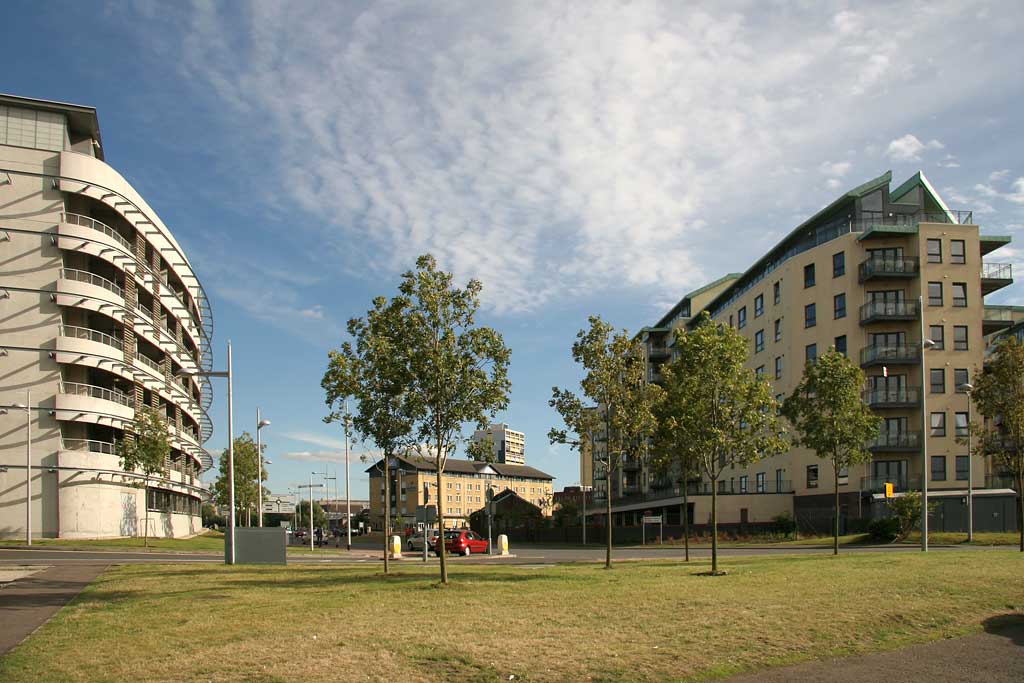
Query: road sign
pixel 889 490
pixel 490 494
pixel 426 513
pixel 652 519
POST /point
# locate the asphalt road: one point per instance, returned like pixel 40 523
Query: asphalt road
pixel 528 555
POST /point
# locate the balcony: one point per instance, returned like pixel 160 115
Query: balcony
pixel 658 353
pixel 88 334
pixel 630 464
pixel 900 484
pixel 887 311
pixel 92 223
pixel 89 446
pixel 893 398
pixel 995 276
pixel 896 442
pixel 900 354
pixel 1000 481
pixel 91 279
pixel 890 268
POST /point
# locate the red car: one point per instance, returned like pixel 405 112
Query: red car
pixel 464 542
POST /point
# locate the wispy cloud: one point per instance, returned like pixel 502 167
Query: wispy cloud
pixel 317 440
pixel 909 148
pixel 315 456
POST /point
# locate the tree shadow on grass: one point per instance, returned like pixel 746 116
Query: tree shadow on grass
pixel 1009 625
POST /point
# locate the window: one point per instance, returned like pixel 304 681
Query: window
pixel 839 306
pixel 778 367
pixel 759 341
pixel 779 400
pixel 810 315
pixel 937 333
pixel 809 275
pixel 760 482
pixel 960 294
pixel 957 252
pixel 960 424
pixel 759 305
pixel 777 292
pixel 811 352
pixel 938 468
pixel 960 378
pixel 934 251
pixel 959 337
pixel 934 293
pixel 838 264
pixel 963 466
pixel 778 329
pixel 741 318
pixel 812 476
pixel 938 381
pixel 840 344
pixel 938 424
pixel 730 320
pixel 759 372
pixel 743 483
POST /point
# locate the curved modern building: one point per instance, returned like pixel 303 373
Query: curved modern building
pixel 100 314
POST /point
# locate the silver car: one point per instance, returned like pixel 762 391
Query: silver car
pixel 415 542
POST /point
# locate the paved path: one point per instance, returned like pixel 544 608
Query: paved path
pixel 995 656
pixel 26 604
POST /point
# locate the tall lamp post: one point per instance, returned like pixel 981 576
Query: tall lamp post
pixel 925 427
pixel 348 491
pixel 968 388
pixel 231 447
pixel 27 407
pixel 260 424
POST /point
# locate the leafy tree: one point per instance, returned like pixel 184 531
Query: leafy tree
pixel 566 514
pixel 729 415
pixel 831 419
pixel 147 449
pixel 376 372
pixel 302 516
pixel 999 395
pixel 210 516
pixel 615 380
pixel 246 489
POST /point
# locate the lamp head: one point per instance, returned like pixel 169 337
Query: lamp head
pixel 928 343
pixel 262 424
pixel 967 386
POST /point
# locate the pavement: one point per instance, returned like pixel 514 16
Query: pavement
pixel 994 656
pixel 28 602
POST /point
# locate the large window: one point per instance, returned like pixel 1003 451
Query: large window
pixel 938 335
pixel 811 352
pixel 759 341
pixel 743 483
pixel 838 264
pixel 778 367
pixel 161 500
pixel 960 337
pixel 957 251
pixel 960 420
pixel 840 344
pixel 812 476
pixel 839 306
pixel 760 482
pixel 809 275
pixel 759 371
pixel 810 315
pixel 938 468
pixel 778 329
pixel 938 380
pixel 934 251
pixel 759 305
pixel 777 292
pixel 960 378
pixel 960 294
pixel 963 465
pixel 934 293
pixel 938 422
pixel 741 318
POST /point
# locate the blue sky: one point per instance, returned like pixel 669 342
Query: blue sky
pixel 577 158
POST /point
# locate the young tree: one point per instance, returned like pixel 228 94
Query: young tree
pixel 674 454
pixel 376 372
pixel 831 419
pixel 246 490
pixel 729 415
pixel 615 380
pixel 146 450
pixel 999 395
pixel 302 516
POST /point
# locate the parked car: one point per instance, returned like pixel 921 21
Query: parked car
pixel 415 542
pixel 464 542
pixel 299 534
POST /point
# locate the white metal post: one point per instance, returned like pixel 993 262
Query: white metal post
pixel 259 470
pixel 348 490
pixel 231 463
pixel 970 475
pixel 926 425
pixel 28 467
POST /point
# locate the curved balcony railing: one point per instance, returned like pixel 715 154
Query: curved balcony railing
pixel 900 353
pixel 93 391
pixel 888 267
pixel 87 222
pixel 888 310
pixel 89 334
pixel 92 279
pixel 149 362
pixel 90 445
pixel 892 397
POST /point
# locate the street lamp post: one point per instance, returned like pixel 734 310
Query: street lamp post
pixel 27 407
pixel 926 426
pixel 231 446
pixel 348 491
pixel 968 388
pixel 260 424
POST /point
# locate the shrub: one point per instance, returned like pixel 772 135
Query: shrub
pixel 784 524
pixel 885 529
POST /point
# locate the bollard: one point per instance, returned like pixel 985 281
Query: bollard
pixel 396 547
pixel 503 544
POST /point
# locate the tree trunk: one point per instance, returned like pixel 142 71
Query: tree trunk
pixel 1020 508
pixel 835 526
pixel 686 521
pixel 145 501
pixel 387 510
pixel 714 526
pixel 439 545
pixel 608 515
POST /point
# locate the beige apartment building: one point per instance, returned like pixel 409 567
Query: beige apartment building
pixel 464 485
pixel 101 310
pixel 507 445
pixel 864 275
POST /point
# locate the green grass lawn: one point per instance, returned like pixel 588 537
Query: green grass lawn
pixel 642 621
pixel 209 541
